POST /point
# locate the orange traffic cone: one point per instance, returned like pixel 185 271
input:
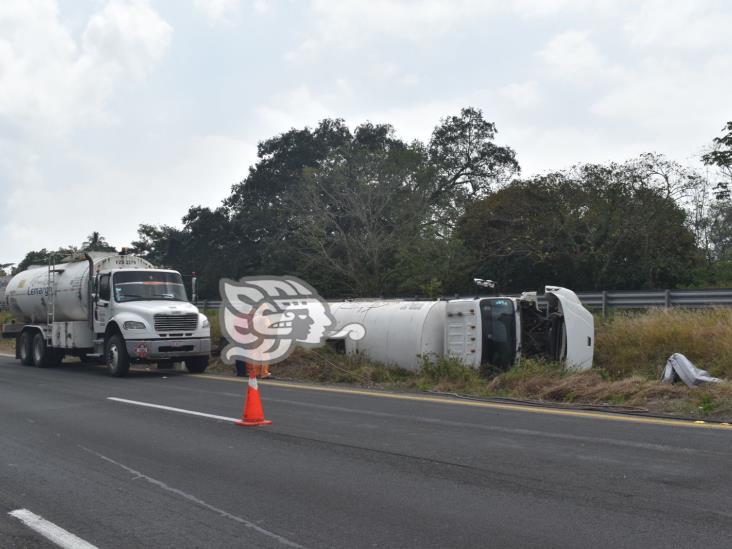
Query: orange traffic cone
pixel 253 412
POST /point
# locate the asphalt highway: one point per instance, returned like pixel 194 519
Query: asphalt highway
pixel 342 468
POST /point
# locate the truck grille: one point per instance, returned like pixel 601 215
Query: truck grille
pixel 176 323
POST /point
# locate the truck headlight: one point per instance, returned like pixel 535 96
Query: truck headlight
pixel 204 322
pixel 134 325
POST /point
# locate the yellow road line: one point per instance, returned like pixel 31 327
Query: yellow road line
pixel 483 404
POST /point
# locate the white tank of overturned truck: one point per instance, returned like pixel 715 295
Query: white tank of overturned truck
pixel 494 331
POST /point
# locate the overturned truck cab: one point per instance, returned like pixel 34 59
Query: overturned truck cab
pixel 487 333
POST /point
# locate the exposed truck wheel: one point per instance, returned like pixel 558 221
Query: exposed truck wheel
pixel 43 355
pixel 116 357
pixel 197 364
pixel 25 348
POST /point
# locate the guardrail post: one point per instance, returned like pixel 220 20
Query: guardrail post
pixel 604 304
pixel 667 298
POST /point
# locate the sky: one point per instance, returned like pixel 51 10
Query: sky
pixel 115 113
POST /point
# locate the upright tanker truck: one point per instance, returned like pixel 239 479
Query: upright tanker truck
pixel 117 308
pixel 493 332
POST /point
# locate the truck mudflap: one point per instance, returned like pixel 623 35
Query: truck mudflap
pixel 579 328
pixel 154 349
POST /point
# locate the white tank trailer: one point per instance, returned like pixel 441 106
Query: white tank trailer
pixel 483 332
pixel 128 312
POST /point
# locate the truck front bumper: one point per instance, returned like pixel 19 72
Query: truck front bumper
pixel 152 349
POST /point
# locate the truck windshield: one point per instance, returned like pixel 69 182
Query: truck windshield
pixel 147 285
pixel 499 332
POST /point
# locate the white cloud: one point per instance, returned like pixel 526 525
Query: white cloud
pixel 677 104
pixel 680 25
pixel 293 108
pixel 350 24
pixel 50 82
pixel 128 34
pixel 572 53
pixel 218 11
pixel 523 95
pixel 228 12
pixel 197 171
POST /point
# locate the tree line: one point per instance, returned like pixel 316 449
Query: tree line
pixel 364 213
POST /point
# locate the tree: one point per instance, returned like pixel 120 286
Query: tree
pixel 95 242
pixel 351 211
pixel 205 245
pixel 43 256
pixel 466 163
pixel 721 156
pixel 259 207
pixel 358 213
pixel 592 227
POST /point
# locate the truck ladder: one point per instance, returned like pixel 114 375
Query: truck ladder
pixel 51 304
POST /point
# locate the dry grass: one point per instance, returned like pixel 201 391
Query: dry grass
pixel 639 343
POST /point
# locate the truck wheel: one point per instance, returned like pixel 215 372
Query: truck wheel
pixel 43 356
pixel 25 348
pixel 116 357
pixel 197 364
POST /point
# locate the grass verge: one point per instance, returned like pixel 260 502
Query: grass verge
pixel 531 380
pixel 630 354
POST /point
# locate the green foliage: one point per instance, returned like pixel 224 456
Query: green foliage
pixel 95 242
pixel 706 404
pixel 721 156
pixel 42 257
pixel 447 373
pixel 592 227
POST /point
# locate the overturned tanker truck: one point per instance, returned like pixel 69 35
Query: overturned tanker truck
pixel 116 308
pixel 483 332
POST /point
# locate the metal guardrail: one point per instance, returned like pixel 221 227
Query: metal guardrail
pixel 644 299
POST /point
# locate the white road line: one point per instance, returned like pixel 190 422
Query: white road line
pixel 50 531
pixel 171 409
pixel 194 499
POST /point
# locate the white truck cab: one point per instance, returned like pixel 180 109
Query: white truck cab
pixel 498 331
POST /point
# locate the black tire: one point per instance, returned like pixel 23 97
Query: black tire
pixel 197 364
pixel 116 357
pixel 25 348
pixel 43 355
